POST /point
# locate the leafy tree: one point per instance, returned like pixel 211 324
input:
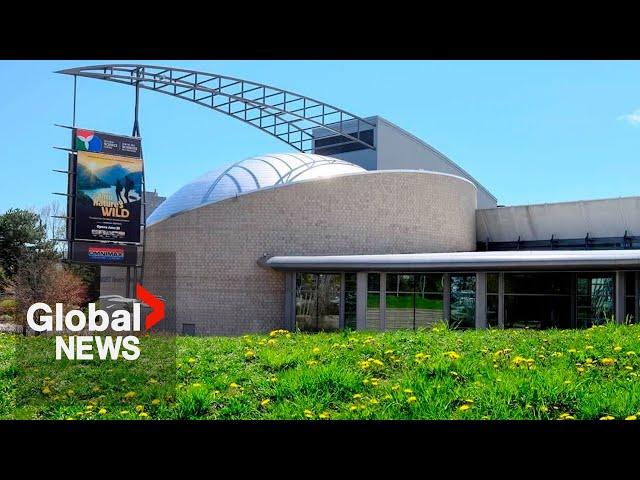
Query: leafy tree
pixel 22 231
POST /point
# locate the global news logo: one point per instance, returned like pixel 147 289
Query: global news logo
pixel 81 344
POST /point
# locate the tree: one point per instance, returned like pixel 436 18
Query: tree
pixel 22 231
pixel 42 279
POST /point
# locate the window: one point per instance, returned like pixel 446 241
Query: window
pixel 595 298
pixel 493 280
pixel 373 302
pixel 350 294
pixel 318 301
pixel 537 300
pixel 463 301
pixel 630 297
pixel 413 301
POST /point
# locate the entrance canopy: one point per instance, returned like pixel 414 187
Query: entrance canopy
pixel 464 261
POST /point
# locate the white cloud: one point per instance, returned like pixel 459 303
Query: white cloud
pixel 633 118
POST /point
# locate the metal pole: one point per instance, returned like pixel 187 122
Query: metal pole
pixel 75 79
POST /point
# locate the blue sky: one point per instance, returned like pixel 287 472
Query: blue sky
pixel 530 131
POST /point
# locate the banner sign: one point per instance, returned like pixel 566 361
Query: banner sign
pixel 104 253
pixel 99 142
pixel 108 197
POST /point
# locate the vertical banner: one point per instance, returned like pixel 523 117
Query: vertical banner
pixel 108 187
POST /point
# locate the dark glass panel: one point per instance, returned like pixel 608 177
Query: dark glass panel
pixel 492 282
pixel 539 283
pixel 350 295
pixel 492 311
pixel 523 311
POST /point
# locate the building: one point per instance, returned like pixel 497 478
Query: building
pixel 396 238
pixel 366 226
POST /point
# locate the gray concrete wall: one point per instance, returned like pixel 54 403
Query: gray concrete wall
pixel 566 220
pixel 221 288
pixel 397 148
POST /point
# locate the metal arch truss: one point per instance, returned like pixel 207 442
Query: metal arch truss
pixel 295 119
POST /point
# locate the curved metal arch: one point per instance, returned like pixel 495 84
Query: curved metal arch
pixel 292 118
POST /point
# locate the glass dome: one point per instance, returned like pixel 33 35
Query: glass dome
pixel 249 175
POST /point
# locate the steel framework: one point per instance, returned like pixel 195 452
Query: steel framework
pixel 293 118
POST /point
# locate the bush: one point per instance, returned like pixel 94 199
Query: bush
pixel 8 307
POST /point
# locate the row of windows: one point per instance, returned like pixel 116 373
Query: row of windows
pixel 410 301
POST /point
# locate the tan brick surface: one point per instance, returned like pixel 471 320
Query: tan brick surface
pixel 218 283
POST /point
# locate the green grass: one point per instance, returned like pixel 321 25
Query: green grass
pixel 434 374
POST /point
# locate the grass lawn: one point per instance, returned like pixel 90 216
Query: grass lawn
pixel 433 374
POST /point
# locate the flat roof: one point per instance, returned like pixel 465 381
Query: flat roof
pixel 463 261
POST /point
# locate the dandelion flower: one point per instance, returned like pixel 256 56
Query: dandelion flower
pixel 452 355
pixel 395 387
pixel 378 362
pixel 631 352
pixel 571 350
pixel 373 401
pixel 143 414
pixel 197 385
pixel 139 408
pixel 191 360
pixel 129 395
pixel 411 399
pixel 607 361
pixel 155 401
pixel 71 393
pixel 631 417
pixel 46 390
pixel 324 415
pixel 589 347
pixel 273 379
pixel 265 402
pixel 352 408
pixel 308 413
pixel 607 417
pixel 357 396
pixel 316 350
pixel 102 411
pixel 580 369
pixel 464 407
pixel 617 348
pixel 234 385
pixel 388 352
pixel 124 412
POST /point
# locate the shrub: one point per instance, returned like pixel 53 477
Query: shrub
pixel 8 307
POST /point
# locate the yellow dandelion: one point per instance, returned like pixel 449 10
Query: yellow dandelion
pixel 139 408
pixel 143 414
pixel 155 401
pixel 544 409
pixel 249 354
pixel 378 362
pixel 312 363
pixel 631 417
pixel 71 393
pixel 191 360
pixel 352 408
pixel 46 390
pixel 411 399
pixel 631 352
pixel 129 395
pixel 273 379
pixel 607 417
pixel 572 350
pixel 324 415
pixel 234 385
pixel 387 397
pixel 617 348
pixel 357 396
pixel 580 369
pixel 452 355
pixel 89 408
pixel 373 401
pixel 102 411
pixel 197 385
pixel 589 347
pixel 407 390
pixel 464 407
pixel 265 402
pixel 124 412
pixel 628 367
pixel 308 413
pixel 607 361
pixel 395 387
pixel 388 352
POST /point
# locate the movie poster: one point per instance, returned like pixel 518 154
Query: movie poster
pixel 108 197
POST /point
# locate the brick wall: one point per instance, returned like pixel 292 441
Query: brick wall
pixel 220 287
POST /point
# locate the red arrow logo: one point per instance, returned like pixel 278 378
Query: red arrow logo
pixel 157 306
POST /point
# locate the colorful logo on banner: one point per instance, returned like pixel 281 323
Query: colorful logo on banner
pixel 106 254
pixel 88 141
